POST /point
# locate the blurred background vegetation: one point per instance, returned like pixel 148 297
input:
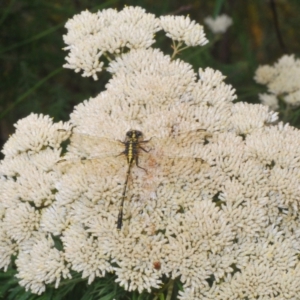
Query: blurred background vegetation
pixel 33 80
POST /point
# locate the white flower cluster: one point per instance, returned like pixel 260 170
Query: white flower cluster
pixel 282 81
pixel 182 29
pixel 27 188
pixel 219 24
pixel 91 36
pixel 213 200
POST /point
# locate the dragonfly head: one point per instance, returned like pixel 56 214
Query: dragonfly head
pixel 134 134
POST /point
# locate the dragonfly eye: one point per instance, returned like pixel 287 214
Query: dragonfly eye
pixel 138 133
pixel 129 133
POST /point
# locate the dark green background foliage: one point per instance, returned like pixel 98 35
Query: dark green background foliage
pixel 33 80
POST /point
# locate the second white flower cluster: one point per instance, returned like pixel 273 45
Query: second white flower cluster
pixel 93 36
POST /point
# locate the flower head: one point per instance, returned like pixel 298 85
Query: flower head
pixel 269 100
pixel 281 80
pixel 92 35
pixel 219 24
pixel 182 29
pixel 39 263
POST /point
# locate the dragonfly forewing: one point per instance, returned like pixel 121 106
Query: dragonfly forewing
pixel 87 146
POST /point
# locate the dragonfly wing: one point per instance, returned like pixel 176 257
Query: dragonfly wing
pixel 189 144
pixel 86 146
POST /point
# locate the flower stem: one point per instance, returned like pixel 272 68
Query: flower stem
pixel 170 289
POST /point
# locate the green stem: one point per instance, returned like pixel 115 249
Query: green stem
pixel 218 7
pixel 177 49
pixel 286 113
pixel 170 289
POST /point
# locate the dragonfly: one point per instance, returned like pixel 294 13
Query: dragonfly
pixel 134 148
pixel 133 145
